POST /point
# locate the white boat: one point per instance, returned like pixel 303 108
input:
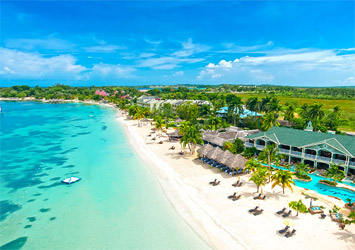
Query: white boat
pixel 71 180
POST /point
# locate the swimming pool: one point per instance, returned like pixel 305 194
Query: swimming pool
pixel 341 193
pixel 314 185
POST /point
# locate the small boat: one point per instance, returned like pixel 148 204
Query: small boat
pixel 91 116
pixel 71 180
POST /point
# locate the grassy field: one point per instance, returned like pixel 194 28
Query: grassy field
pixel 347 107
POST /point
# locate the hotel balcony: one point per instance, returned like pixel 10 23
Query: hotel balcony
pixel 322 158
pixel 248 144
pixel 296 152
pixel 285 151
pixel 260 146
pixel 309 156
pixel 339 161
pixel 351 163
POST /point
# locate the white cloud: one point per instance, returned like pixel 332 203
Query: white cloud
pixel 166 62
pixel 222 64
pixel 234 48
pixel 111 71
pixel 179 73
pixel 24 65
pixel 107 48
pixel 189 48
pixel 16 65
pixel 294 67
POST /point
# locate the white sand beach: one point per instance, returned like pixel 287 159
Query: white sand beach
pixel 227 224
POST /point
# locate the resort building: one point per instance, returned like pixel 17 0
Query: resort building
pixel 154 103
pixel 313 148
pixel 101 93
pixel 218 138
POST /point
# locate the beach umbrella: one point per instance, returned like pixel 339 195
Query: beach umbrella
pixel 212 154
pixel 289 222
pixel 205 149
pixel 223 157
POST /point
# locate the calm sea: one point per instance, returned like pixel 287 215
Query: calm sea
pixel 118 204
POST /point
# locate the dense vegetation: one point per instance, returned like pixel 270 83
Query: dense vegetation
pixel 327 108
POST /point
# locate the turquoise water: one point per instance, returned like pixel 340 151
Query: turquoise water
pixel 118 204
pixel 314 185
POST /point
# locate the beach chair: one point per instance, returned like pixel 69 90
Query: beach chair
pixel 289 234
pixel 257 197
pixel 235 184
pixel 232 196
pixel 257 212
pixel 212 182
pixel 322 216
pixel 161 142
pixel 287 214
pixel 237 198
pixel 253 210
pixel 263 197
pixel 240 184
pixel 281 211
pixel 181 153
pixel 282 231
pixel 335 217
pixel 315 210
pixel 217 183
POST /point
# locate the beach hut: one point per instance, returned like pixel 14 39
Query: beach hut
pixel 204 149
pixel 224 157
pixel 212 154
pixel 236 162
pixel 176 135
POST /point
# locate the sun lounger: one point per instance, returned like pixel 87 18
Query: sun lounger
pixel 289 234
pixel 264 197
pixel 181 153
pixel 236 198
pixel 287 214
pixel 282 231
pixel 212 182
pixel 217 183
pixel 322 216
pixel 253 210
pixel 281 211
pixel 235 184
pixel 257 212
pixel 315 210
pixel 335 217
pixel 257 197
pixel 232 196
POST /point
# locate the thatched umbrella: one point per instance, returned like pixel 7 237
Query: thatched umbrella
pixel 204 149
pixel 212 154
pixel 222 158
pixel 237 161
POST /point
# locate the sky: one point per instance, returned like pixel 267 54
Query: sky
pixel 296 43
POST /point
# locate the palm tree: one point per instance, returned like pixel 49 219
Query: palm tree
pixel 273 105
pixel 259 177
pixel 316 113
pixel 298 206
pixel 138 115
pixel 235 107
pixel 252 165
pixel 191 136
pixel 159 123
pixel 334 173
pixel 269 120
pixel 264 102
pixel 302 169
pixel 270 155
pixel 253 104
pixel 214 122
pixel 290 112
pixel 283 178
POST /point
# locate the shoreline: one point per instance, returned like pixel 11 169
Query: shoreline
pixel 186 207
